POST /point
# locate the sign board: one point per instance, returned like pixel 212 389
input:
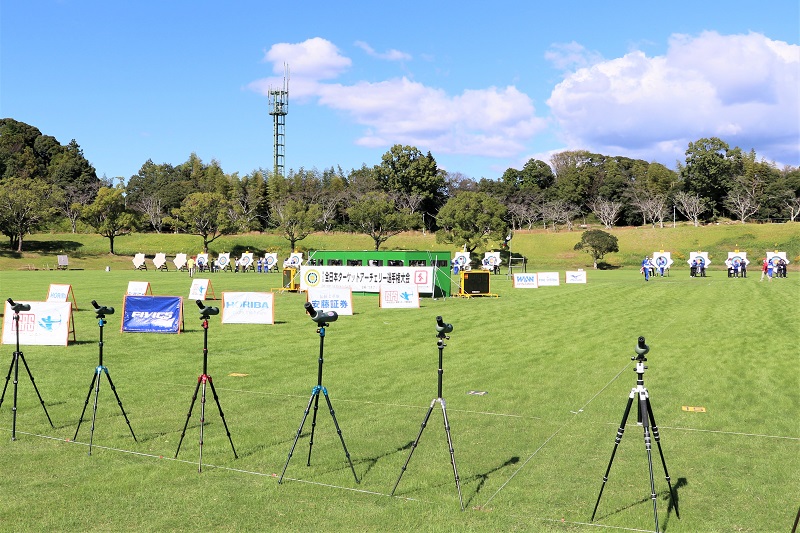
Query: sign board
pixel 200 290
pixel 575 276
pixel 248 308
pixel 366 279
pixel 526 281
pixel 271 261
pixel 61 293
pixel 339 299
pixel 399 297
pixel 491 260
pixel 139 288
pixel 548 279
pixel 45 324
pixel 152 314
pixel 662 260
pixel 294 260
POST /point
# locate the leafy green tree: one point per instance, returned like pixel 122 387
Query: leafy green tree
pixel 204 214
pixel 24 206
pixel 597 243
pixel 413 177
pixel 70 167
pixel 472 219
pixel 711 165
pixel 296 220
pixel 109 215
pixel 377 215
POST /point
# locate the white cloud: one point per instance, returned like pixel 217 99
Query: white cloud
pixel 741 88
pixel 494 122
pixel 389 55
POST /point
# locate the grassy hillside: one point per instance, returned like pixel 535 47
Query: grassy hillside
pixel 542 248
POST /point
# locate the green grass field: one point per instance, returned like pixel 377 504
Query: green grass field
pixel 554 363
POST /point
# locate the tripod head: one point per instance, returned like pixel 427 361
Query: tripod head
pixel 641 350
pixel 321 318
pixel 101 311
pixel 206 312
pixel 18 307
pixel 442 328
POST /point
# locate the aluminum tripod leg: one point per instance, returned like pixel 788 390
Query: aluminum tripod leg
pixel 657 438
pixel 620 433
pixel 315 400
pixel 15 367
pixel 449 444
pixel 222 416
pixel 95 384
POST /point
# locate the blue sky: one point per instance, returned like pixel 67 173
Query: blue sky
pixel 483 86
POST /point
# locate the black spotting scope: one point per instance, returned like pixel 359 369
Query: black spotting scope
pixel 641 347
pixel 18 307
pixel 320 317
pixel 443 327
pixel 206 312
pixel 102 309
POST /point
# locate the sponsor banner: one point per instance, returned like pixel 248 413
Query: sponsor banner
pixel 200 289
pixel 61 293
pixel 575 276
pixel 46 324
pixel 337 299
pixel 152 314
pixel 526 281
pixel 399 297
pixel 549 279
pixel 366 279
pixel 139 288
pixel 248 308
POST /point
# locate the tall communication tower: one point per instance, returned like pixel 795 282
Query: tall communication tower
pixel 279 108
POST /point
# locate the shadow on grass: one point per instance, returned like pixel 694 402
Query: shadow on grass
pixel 602 265
pixel 372 461
pixel 482 477
pixel 663 495
pixel 43 247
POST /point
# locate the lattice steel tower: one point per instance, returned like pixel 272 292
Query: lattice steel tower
pixel 279 108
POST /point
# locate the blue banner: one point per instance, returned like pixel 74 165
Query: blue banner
pixel 152 314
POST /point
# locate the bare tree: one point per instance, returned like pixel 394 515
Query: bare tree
pixel 71 199
pixel 690 206
pixel 658 209
pixel 742 203
pixel 559 212
pixel 151 206
pixel 606 211
pixel 792 203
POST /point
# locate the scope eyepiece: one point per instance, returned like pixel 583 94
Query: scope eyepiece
pixel 102 309
pixel 18 307
pixel 443 327
pixel 641 347
pixel 319 316
pixel 206 312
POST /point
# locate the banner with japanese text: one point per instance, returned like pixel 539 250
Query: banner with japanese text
pixel 366 279
pixel 339 299
pixel 46 324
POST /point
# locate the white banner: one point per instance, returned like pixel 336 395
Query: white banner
pixel 399 297
pixel 199 289
pixel 248 308
pixel 46 324
pixel 526 281
pixel 337 299
pixel 549 279
pixel 366 279
pixel 139 288
pixel 575 276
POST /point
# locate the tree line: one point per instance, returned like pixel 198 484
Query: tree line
pixel 46 185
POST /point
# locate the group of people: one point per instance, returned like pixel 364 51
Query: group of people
pixel 737 269
pixel 769 270
pixel 194 265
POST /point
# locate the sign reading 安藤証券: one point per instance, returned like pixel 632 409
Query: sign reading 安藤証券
pixel 366 279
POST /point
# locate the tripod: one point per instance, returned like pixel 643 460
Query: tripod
pixel 645 419
pixel 442 329
pixel 322 319
pixel 100 313
pixel 204 378
pixel 17 307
